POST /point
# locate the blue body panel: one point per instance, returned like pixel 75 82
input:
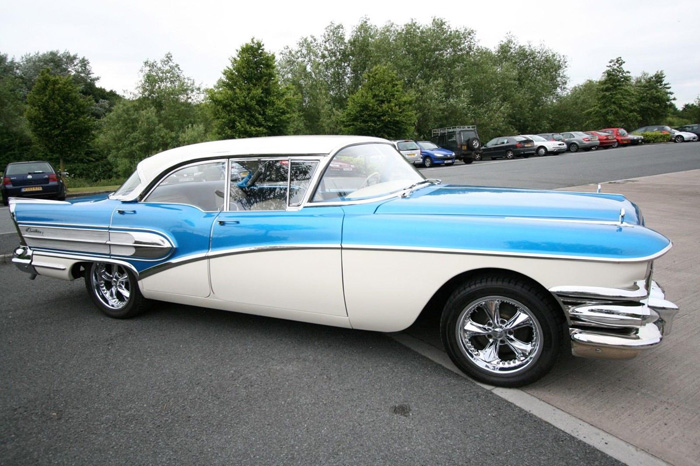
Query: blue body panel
pixel 450 218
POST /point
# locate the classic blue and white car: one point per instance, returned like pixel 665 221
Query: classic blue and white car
pixel 325 229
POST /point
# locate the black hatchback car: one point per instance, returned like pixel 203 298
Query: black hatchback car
pixel 32 179
pixel 508 147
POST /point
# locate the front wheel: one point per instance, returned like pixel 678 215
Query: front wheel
pixel 114 290
pixel 574 147
pixel 509 154
pixel 477 156
pixel 541 151
pixel 678 139
pixel 501 331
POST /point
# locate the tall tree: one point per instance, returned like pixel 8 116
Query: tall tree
pixel 615 103
pixel 249 101
pixel 165 112
pixel 381 107
pixel 59 118
pixel 15 140
pixel 653 98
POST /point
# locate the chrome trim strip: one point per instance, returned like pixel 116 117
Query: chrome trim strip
pixel 67 240
pixel 585 222
pixel 638 292
pixel 231 252
pixel 24 258
pixel 505 254
pixel 49 266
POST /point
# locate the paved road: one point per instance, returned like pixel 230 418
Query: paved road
pixel 184 384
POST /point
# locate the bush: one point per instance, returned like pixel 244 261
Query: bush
pixel 650 138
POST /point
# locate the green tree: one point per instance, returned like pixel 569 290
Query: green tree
pixel 572 111
pixel 59 118
pixel 653 98
pixel 165 112
pixel 77 68
pixel 15 139
pixel 691 112
pixel 249 101
pixel 615 103
pixel 381 107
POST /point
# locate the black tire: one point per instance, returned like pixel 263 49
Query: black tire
pixel 594 148
pixel 477 156
pixel 509 154
pixel 573 147
pixel 474 143
pixel 678 138
pixel 5 200
pixel 427 162
pixel 541 151
pixel 615 145
pixel 467 161
pixel 114 290
pixel 523 344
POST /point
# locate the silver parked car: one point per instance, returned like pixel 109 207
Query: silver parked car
pixel 410 150
pixel 576 140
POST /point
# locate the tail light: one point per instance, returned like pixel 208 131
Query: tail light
pixel 587 139
pixel 6 181
pixel 53 177
pixel 519 144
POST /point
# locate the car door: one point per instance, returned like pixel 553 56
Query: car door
pixel 174 218
pixel 268 255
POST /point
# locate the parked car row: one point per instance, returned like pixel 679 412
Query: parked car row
pixel 675 135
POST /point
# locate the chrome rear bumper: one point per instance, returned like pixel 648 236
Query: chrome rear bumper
pixel 616 324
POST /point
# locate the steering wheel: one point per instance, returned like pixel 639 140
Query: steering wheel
pixel 372 179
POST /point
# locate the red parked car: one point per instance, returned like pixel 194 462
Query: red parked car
pixel 621 136
pixel 606 140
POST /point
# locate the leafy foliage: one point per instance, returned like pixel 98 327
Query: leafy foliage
pixel 380 107
pixel 249 100
pixel 164 113
pixel 59 118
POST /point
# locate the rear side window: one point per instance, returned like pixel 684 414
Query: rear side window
pixel 28 168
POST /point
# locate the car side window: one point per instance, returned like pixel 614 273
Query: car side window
pixel 201 185
pixel 265 184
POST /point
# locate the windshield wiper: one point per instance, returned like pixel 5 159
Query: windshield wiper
pixel 407 191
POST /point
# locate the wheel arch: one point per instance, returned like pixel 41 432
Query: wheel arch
pixel 437 302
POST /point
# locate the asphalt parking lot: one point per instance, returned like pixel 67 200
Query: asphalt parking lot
pixel 189 385
pixel 652 401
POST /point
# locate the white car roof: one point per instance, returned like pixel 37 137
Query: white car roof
pixel 152 166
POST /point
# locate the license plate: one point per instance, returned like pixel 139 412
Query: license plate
pixel 33 188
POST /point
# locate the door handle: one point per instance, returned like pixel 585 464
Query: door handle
pixel 123 212
pixel 230 222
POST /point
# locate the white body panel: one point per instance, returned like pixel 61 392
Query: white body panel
pixel 380 297
pixel 308 281
pixel 190 279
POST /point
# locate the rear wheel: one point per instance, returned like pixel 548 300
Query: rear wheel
pixel 501 331
pixel 427 162
pixel 509 154
pixel 615 145
pixel 114 289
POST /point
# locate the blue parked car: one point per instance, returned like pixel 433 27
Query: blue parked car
pixel 435 155
pixel 326 229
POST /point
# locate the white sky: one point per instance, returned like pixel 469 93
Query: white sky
pixel 117 36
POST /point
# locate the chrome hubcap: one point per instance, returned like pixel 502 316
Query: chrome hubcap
pixel 499 335
pixel 111 285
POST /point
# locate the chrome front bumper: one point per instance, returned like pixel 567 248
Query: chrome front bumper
pixel 616 324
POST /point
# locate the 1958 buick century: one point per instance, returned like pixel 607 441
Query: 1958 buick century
pixel 342 231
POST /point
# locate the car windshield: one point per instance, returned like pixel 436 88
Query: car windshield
pixel 365 171
pixel 622 132
pixel 28 168
pixel 427 145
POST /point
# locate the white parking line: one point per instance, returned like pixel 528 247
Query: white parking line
pixel 597 438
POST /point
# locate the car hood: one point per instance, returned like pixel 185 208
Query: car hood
pixel 514 203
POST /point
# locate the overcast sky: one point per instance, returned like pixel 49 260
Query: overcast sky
pixel 118 35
